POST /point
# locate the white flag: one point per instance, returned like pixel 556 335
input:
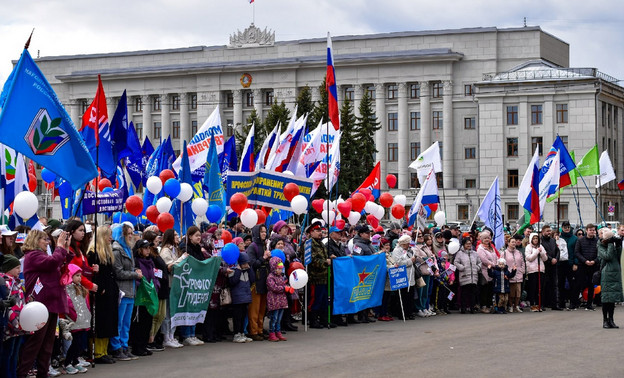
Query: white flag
pixel 265 148
pixel 334 161
pixel 197 148
pixel 428 159
pixel 549 184
pixel 491 214
pixel 607 174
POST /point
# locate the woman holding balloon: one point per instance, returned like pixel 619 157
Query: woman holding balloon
pixel 259 257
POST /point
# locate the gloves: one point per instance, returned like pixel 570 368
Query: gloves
pixel 289 290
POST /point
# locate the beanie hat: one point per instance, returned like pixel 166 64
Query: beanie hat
pixel 72 269
pixel 9 263
pixel 501 261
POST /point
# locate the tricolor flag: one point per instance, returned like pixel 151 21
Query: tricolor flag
pixel 427 160
pixel 621 185
pixel 427 195
pixel 263 156
pixel 330 85
pixel 334 167
pixel 550 182
pixel 247 159
pixel 310 151
pixel 372 182
pixel 528 193
pixel 565 160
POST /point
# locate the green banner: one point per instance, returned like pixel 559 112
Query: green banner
pixel 191 289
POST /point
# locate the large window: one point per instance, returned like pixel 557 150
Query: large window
pixel 536 115
pixel 470 123
pixel 393 91
pixel 371 91
pixel 512 178
pixel 157 103
pixel 138 127
pixel 138 104
pixel 512 147
pixel 175 129
pixel 194 101
pixel 471 183
pixel 537 142
pixel 349 93
pixel 467 90
pixel 437 120
pixel 562 113
pixel 268 98
pixel 229 100
pixel 414 91
pixel 393 121
pixel 175 102
pixel 157 130
pixel 414 150
pixel 513 212
pixel 470 153
pixel 437 90
pixel 249 99
pixel 512 114
pixel 414 121
pixel 563 211
pixel 393 151
pixel 193 128
pixel 463 212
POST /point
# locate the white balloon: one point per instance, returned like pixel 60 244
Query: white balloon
pixel 33 317
pixel 328 217
pixel 199 206
pixel 289 173
pixel 400 199
pixel 25 204
pixel 186 192
pixel 163 205
pixel 339 201
pixel 354 217
pixel 299 204
pixel 298 279
pixel 453 247
pixel 154 185
pixel 370 207
pixel 440 218
pixel 379 212
pixel 332 205
pixel 249 218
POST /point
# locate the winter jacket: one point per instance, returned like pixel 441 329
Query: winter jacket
pixel 124 265
pixel 87 271
pixel 195 251
pixel 515 258
pixel 39 266
pixel 586 249
pixel 81 307
pixel 571 240
pixel 276 285
pixel 106 298
pixel 611 277
pixel 501 278
pixel 240 285
pixel 487 258
pixel 404 257
pixel 422 253
pixel 160 269
pixel 15 290
pixel 362 247
pixel 468 265
pixel 335 248
pixel 535 258
pixel 552 250
pixel 289 248
pixel 317 270
pixel 258 263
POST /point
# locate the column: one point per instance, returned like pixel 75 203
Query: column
pixel 238 108
pixel 404 148
pixel 185 123
pixel 358 93
pixel 74 106
pixel 380 135
pixel 111 106
pixel 425 116
pixel 341 90
pixel 447 136
pixel 165 116
pixel 258 101
pixel 148 128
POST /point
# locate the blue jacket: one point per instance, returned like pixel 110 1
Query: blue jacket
pixel 240 285
pixel 501 278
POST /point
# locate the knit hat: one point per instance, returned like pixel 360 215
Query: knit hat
pixel 9 263
pixel 237 240
pixel 442 254
pixel 405 239
pixel 279 225
pixel 72 269
pixel 501 261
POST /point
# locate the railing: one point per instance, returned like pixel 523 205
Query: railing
pixel 548 73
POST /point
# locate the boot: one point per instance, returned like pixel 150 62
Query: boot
pixel 611 323
pixel 272 337
pixel 290 327
pixel 280 337
pixel 352 320
pixel 338 320
pixel 606 324
pixel 314 321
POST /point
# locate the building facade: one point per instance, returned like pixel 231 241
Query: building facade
pixel 426 86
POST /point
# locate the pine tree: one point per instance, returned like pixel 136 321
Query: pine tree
pixel 320 108
pixel 351 171
pixel 367 125
pixel 304 102
pixel 277 113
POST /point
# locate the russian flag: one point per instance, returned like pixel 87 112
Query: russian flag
pixel 566 162
pixel 247 163
pixel 372 182
pixel 427 196
pixel 621 185
pixel 330 85
pixel 528 193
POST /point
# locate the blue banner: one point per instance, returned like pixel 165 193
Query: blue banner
pixel 398 278
pixel 358 282
pixel 265 188
pixel 106 202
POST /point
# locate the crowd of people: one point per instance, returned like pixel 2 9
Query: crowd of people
pixel 88 278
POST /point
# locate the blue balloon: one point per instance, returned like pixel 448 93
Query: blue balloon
pixel 214 213
pixel 117 217
pixel 131 218
pixel 65 190
pixel 172 187
pixel 230 253
pixel 47 175
pixel 108 189
pixel 278 253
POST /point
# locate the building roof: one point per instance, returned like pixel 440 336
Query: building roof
pixel 541 70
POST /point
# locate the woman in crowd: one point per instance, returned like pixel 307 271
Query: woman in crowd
pixel 42 275
pixel 383 314
pixel 8 246
pixel 403 255
pixel 170 255
pixel 80 247
pixel 141 318
pixel 487 255
pixel 611 277
pixel 106 298
pixel 162 276
pixel 468 265
pixel 194 249
pixel 424 252
pixel 535 256
pixel 514 257
pixel 259 257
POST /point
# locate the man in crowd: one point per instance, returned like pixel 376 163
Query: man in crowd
pixel 318 272
pixel 335 249
pixel 586 252
pixel 566 270
pixel 551 285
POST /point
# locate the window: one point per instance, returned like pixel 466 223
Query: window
pixel 229 100
pixel 84 105
pixel 471 183
pixel 609 111
pixel 437 90
pixel 370 90
pixel 470 123
pixel 536 142
pixel 563 211
pixel 175 102
pixel 393 91
pixel 562 113
pixel 138 127
pixel 414 91
pixel 463 212
pixel 157 103
pixel 470 153
pixel 414 121
pixel 175 129
pixel 513 212
pixel 616 122
pixel 536 114
pixel 138 104
pixel 193 128
pixel 564 139
pixel 393 121
pixel 393 151
pixel 349 93
pixel 512 178
pixel 439 179
pixel 512 147
pixel 512 115
pixel 414 150
pixel 157 129
pixel 268 98
pixel 604 113
pixel 414 183
pixel 229 129
pixel 437 120
pixel 249 98
pixel 467 90
pixel 441 145
pixel 194 101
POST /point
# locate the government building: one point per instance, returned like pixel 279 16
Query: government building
pixel 490 96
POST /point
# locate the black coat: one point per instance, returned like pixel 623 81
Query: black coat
pixel 257 262
pixel 106 300
pixel 163 289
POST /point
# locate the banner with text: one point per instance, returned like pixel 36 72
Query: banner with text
pixel 106 202
pixel 359 282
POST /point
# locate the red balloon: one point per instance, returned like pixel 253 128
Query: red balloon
pixel 386 200
pixel 166 175
pixel 261 216
pixel 318 204
pixel 374 222
pixel 164 222
pixel 345 208
pixel 391 180
pixel 134 205
pixel 152 213
pixel 365 191
pixel 32 182
pixel 104 183
pixel 340 223
pixel 290 191
pixel 358 201
pixel 226 236
pixel 398 211
pixel 371 198
pixel 238 203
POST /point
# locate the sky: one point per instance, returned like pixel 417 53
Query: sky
pixel 69 27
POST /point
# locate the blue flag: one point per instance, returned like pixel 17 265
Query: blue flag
pixel 213 184
pixel 134 162
pixel 227 159
pixel 187 211
pixel 359 282
pixel 34 122
pixel 167 156
pixel 119 130
pixel 147 150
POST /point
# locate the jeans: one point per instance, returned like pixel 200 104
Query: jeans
pixel 9 356
pixel 78 345
pixel 187 331
pixel 275 318
pixel 423 294
pixel 125 318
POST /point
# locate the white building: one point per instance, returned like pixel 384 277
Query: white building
pixel 431 85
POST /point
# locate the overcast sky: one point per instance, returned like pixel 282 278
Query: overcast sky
pixel 67 27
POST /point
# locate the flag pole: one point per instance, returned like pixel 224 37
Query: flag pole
pixel 593 199
pixel 578 208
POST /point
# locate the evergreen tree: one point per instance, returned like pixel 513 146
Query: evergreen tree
pixel 367 125
pixel 277 113
pixel 320 111
pixel 304 102
pixel 351 171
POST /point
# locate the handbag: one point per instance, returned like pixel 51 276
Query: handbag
pixel 225 297
pixel 420 282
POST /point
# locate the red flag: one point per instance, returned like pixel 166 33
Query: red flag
pixel 330 85
pixel 621 185
pixel 372 182
pixel 31 168
pixel 95 114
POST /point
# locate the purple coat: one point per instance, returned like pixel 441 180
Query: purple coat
pixel 38 265
pixel 276 295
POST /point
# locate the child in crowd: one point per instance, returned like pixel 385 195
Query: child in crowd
pixel 12 335
pixel 445 279
pixel 501 275
pixel 240 287
pixel 79 313
pixel 276 298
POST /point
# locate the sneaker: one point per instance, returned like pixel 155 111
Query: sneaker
pixel 518 309
pixel 153 347
pixel 104 360
pixel 52 372
pixel 119 355
pixel 247 339
pixel 82 362
pixel 534 309
pixel 198 341
pixel 81 369
pixel 69 369
pixel 590 308
pixel 510 309
pixel 172 343
pixel 421 314
pixel 238 338
pixel 130 355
